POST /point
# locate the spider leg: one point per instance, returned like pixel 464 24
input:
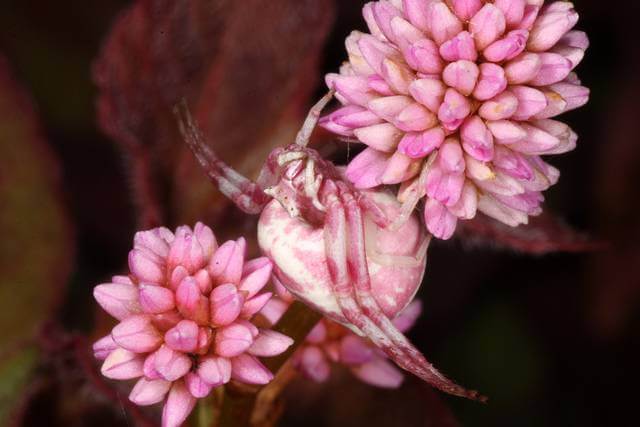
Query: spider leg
pixel 311 121
pixel 246 194
pixel 335 239
pixel 410 358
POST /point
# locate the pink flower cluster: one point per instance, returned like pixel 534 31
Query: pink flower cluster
pixel 185 315
pixel 454 100
pixel 329 342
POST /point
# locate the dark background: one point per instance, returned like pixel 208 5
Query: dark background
pixel 552 340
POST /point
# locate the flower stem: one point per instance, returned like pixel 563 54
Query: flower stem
pixel 239 403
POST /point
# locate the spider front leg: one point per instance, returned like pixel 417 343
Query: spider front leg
pixel 310 123
pixel 246 194
pixel 363 310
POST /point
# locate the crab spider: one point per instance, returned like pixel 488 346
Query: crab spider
pixel 332 245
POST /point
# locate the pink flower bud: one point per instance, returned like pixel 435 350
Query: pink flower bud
pixel 149 368
pixel 399 169
pixel 227 261
pixel 429 92
pixel 354 351
pixel 419 145
pixel 477 140
pixel 226 304
pixel 383 137
pixel 197 386
pixel 424 57
pixel 440 222
pixel 179 405
pixel 171 364
pixel 270 343
pixel 167 320
pixel 379 373
pixel 465 208
pixel 149 392
pixel 206 239
pixel 499 107
pixel 233 340
pixel 466 9
pixel 177 276
pixel 450 156
pixel 487 25
pixel 553 69
pixel 183 337
pixel 205 337
pixel 383 14
pixel 317 334
pixel 550 26
pixel 513 11
pixel 155 299
pixel 461 46
pixel 523 68
pixel 215 370
pixel 444 187
pixel 506 132
pixel 254 305
pixel 492 81
pixel 497 210
pixel 248 369
pixel 461 75
pixel 103 347
pixel 119 300
pixel 453 110
pixel 145 269
pixel 352 89
pixel 314 364
pixel 191 303
pixel 122 364
pixel 137 334
pixel 416 12
pixel 153 241
pixel 366 168
pixel 507 47
pixel 344 120
pixel 530 102
pixel 443 24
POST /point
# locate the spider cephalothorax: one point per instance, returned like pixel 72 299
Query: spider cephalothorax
pixel 331 244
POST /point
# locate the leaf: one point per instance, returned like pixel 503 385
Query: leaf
pixel 36 247
pixel 246 69
pixel 544 234
pixel 15 375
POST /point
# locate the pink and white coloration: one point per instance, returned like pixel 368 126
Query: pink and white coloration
pixel 185 314
pixel 330 243
pixel 329 342
pixel 454 100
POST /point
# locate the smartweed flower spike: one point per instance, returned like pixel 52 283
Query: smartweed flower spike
pixel 329 342
pixel 185 315
pixel 454 100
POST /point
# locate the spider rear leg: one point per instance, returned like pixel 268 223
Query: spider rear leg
pixel 246 194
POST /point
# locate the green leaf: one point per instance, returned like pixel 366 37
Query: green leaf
pixel 15 374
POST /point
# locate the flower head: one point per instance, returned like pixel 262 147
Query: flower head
pixel 454 100
pixel 329 342
pixel 185 315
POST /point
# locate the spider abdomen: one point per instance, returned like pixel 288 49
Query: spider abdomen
pixel 396 259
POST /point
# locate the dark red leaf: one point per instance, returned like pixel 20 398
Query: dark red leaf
pixel 544 234
pixel 246 69
pixel 36 249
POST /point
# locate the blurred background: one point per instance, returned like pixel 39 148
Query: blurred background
pixel 548 327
